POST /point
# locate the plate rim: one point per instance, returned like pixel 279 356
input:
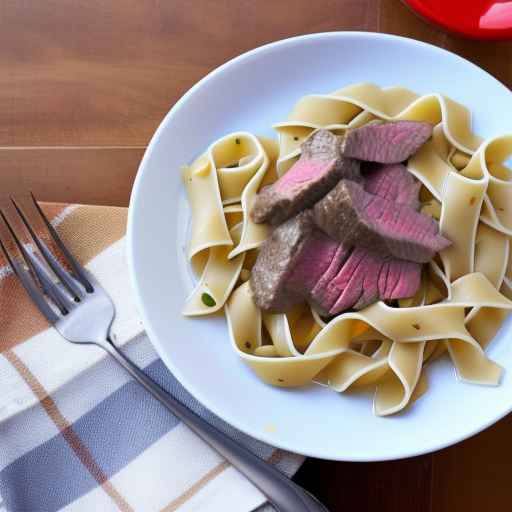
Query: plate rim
pixel 261 435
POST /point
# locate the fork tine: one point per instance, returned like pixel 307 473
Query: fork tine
pixel 42 275
pixel 49 286
pixel 59 270
pixel 73 263
pixel 30 287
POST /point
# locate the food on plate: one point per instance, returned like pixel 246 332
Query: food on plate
pixel 394 183
pixel 278 257
pixel 387 143
pixel 326 158
pixel 353 216
pixel 364 278
pixel 368 240
pixel 320 167
pixel 298 263
pixel 371 219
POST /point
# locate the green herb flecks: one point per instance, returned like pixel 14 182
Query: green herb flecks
pixel 208 300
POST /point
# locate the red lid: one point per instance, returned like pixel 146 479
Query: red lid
pixel 480 19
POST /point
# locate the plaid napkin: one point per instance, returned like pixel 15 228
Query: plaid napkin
pixel 76 433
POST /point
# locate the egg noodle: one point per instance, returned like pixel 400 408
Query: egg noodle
pixel 465 290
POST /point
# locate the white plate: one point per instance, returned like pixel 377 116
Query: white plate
pixel 250 93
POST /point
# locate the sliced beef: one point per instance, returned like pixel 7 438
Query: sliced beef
pixel 319 168
pixel 352 216
pixel 359 284
pixel 321 294
pixel 401 279
pixel 275 262
pixel 326 158
pixel 392 182
pixel 317 255
pixel 347 286
pixel 370 270
pixel 364 278
pixel 387 143
pixel 300 263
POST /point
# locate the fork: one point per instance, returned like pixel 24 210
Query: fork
pixel 79 308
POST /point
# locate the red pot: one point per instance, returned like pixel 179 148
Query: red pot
pixel 478 19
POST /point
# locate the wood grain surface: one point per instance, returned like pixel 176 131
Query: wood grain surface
pixel 83 85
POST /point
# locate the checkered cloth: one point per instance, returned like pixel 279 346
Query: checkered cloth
pixel 76 433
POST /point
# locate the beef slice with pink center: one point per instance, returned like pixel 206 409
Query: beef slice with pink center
pixel 386 143
pixel 314 260
pixel 355 217
pixel 353 289
pixel 371 266
pixel 402 280
pixel 320 294
pixel 317 171
pixel 364 278
pixel 392 182
pixel 276 260
pixel 326 297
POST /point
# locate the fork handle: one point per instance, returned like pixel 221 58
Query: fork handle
pixel 279 489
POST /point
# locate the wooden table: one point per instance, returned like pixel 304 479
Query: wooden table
pixel 83 85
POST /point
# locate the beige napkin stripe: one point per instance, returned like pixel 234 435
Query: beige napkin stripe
pixel 87 231
pixel 66 429
pixel 22 319
pixel 275 457
pixel 196 487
